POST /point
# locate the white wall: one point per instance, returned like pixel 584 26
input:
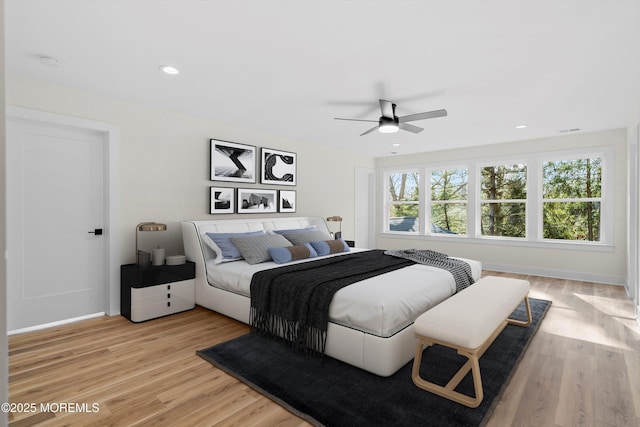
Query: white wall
pixel 164 162
pixel 602 266
pixel 632 211
pixel 634 138
pixel 162 167
pixel 4 347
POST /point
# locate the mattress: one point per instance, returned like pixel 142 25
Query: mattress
pixel 382 305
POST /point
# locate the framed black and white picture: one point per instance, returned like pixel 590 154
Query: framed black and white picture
pixel 256 200
pixel 223 200
pixel 278 167
pixel 287 201
pixel 233 162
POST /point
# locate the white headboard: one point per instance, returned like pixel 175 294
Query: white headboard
pixel 198 252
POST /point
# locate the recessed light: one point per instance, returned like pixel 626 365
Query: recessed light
pixel 569 130
pixel 396 145
pixel 522 126
pixel 169 69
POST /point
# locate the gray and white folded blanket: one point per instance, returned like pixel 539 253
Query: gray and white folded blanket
pixel 460 270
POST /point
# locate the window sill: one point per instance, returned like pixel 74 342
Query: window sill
pixel 548 244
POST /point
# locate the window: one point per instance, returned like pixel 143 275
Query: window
pixel 403 200
pixel 449 201
pixel 572 199
pixel 503 200
pixel 545 199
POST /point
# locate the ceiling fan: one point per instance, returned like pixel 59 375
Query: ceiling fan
pixel 390 123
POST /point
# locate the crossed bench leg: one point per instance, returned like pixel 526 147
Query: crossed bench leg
pixel 473 354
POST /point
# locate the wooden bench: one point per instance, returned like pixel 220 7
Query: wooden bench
pixel 469 322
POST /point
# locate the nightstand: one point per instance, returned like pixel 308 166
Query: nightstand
pixel 155 291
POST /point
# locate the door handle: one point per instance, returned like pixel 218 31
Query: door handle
pixel 97 232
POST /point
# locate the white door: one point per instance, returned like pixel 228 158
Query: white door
pixel 55 194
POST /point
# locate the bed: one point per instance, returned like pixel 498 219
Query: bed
pixel 369 321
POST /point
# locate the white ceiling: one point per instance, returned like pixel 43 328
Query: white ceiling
pixel 288 67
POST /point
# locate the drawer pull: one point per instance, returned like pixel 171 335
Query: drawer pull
pixel 168 303
pixel 168 287
pixel 168 295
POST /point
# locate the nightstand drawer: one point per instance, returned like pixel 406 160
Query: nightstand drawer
pixel 184 288
pixel 161 300
pixel 146 312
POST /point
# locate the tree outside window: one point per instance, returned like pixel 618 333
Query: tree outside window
pixel 572 197
pixel 503 205
pixel 565 189
pixel 449 201
pixel 404 199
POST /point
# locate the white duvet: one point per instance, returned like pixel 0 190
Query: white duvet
pixel 382 305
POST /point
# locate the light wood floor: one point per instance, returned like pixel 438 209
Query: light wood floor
pixel 582 368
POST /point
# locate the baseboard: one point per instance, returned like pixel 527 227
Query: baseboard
pixel 556 274
pixel 52 324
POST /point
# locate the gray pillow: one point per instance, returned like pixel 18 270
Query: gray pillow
pixel 255 249
pixel 307 237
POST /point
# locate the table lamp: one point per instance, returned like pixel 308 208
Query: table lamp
pixel 144 258
pixel 336 218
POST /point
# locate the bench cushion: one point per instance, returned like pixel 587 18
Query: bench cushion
pixel 468 318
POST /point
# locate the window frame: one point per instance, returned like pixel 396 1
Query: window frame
pixel 533 202
pixel 388 202
pixel 606 196
pixel 478 207
pixel 429 202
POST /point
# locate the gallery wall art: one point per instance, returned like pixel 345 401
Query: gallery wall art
pixel 278 167
pixel 286 201
pixel 222 200
pixel 235 162
pixel 232 162
pixel 257 200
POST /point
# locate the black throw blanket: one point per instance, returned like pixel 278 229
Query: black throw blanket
pixel 460 270
pixel 292 302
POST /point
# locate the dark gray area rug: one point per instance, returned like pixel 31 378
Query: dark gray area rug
pixel 325 391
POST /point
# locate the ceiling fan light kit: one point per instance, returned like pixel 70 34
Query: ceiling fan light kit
pixel 387 127
pixel 390 123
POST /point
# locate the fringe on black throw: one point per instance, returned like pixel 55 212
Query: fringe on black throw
pixel 303 339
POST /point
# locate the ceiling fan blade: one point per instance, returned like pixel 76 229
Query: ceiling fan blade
pixel 369 131
pixel 387 108
pixel 423 116
pixel 356 120
pixel 410 128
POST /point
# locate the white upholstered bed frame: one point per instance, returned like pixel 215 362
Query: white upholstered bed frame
pixel 381 356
